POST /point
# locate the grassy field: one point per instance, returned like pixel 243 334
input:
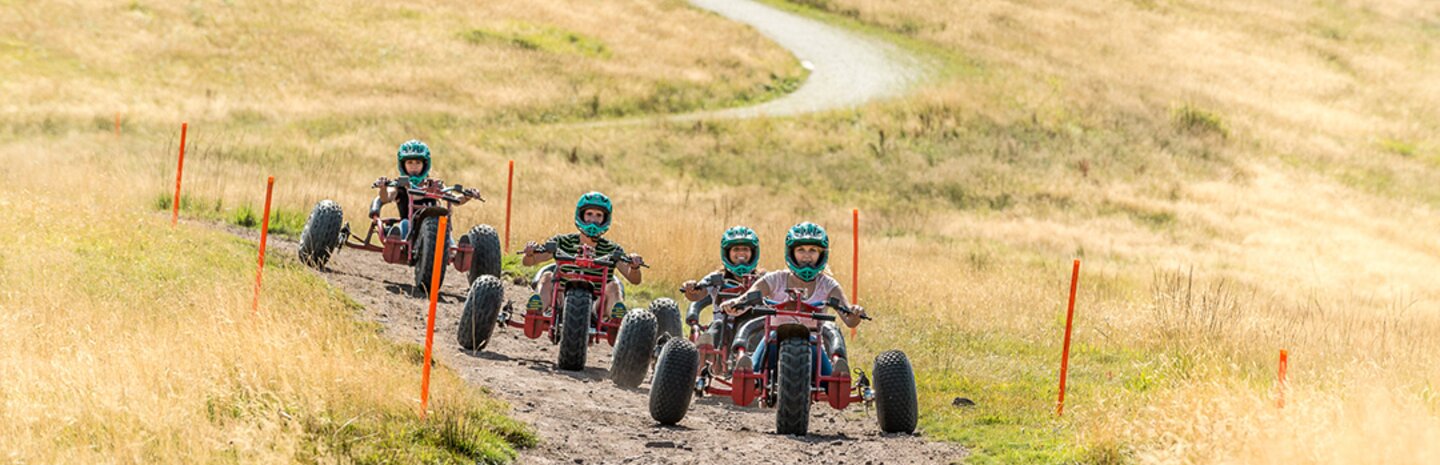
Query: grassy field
pixel 127 341
pixel 1238 178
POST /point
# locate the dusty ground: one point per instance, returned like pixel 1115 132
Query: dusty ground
pixel 582 417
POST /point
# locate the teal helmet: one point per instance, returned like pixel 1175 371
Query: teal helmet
pixel 593 200
pixel 413 149
pixel 806 233
pixel 740 235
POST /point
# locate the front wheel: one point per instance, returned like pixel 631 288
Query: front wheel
pixel 482 305
pixel 667 317
pixel 425 243
pixel 321 236
pixel 896 405
pixel 486 258
pixel 792 404
pixel 633 347
pixel 674 382
pixel 575 329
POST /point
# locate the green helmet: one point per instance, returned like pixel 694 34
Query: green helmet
pixel 593 200
pixel 806 233
pixel 413 149
pixel 740 235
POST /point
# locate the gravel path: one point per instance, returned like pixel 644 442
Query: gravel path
pixel 582 417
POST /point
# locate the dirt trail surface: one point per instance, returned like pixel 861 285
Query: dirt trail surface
pixel 582 417
pixel 846 69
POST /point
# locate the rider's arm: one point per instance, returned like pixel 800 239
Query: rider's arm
pixel 387 194
pixel 533 258
pixel 631 272
pixel 697 293
pixel 851 319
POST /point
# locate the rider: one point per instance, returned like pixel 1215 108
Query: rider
pixel 592 217
pixel 806 252
pixel 740 254
pixel 413 161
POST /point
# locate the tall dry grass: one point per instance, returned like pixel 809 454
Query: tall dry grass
pixel 127 341
pixel 1275 158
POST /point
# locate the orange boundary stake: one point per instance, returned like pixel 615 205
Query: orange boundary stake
pixel 855 262
pixel 117 125
pixel 264 234
pixel 179 169
pixel 1280 387
pixel 430 323
pixel 1065 354
pixel 509 190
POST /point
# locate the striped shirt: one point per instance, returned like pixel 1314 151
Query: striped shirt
pixel 570 245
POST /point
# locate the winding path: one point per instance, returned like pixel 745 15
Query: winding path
pixel 846 69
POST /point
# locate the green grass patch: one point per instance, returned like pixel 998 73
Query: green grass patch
pixel 541 38
pixel 1012 380
pixel 284 222
pixel 1195 120
pixel 448 436
pixel 1399 147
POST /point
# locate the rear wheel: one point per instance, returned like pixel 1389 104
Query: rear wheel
pixel 486 258
pixel 425 243
pixel 633 347
pixel 674 383
pixel 896 406
pixel 575 329
pixel 792 405
pixel 482 305
pixel 667 316
pixel 321 237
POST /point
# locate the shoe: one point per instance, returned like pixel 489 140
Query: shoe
pixel 841 367
pixel 617 313
pixel 743 362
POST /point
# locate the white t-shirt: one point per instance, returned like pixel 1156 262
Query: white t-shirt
pixel 779 282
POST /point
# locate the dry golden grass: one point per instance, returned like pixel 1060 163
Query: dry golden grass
pixel 293 63
pixel 1238 177
pixel 127 341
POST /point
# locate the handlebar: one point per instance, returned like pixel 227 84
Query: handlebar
pixel 715 282
pixel 560 255
pixel 835 304
pixel 444 192
pixel 771 311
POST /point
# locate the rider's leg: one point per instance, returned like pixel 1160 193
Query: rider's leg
pixel 835 347
pixel 547 287
pixel 615 295
pixel 834 339
pixel 825 367
pixel 541 284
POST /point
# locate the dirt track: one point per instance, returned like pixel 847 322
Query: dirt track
pixel 847 69
pixel 582 417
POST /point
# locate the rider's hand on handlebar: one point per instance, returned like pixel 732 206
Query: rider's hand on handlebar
pixel 636 260
pixel 382 182
pixel 530 248
pixel 730 308
pixel 687 286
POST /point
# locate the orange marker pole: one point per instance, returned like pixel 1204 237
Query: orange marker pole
pixel 439 264
pixel 264 234
pixel 1065 354
pixel 855 262
pixel 509 191
pixel 1280 388
pixel 179 169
